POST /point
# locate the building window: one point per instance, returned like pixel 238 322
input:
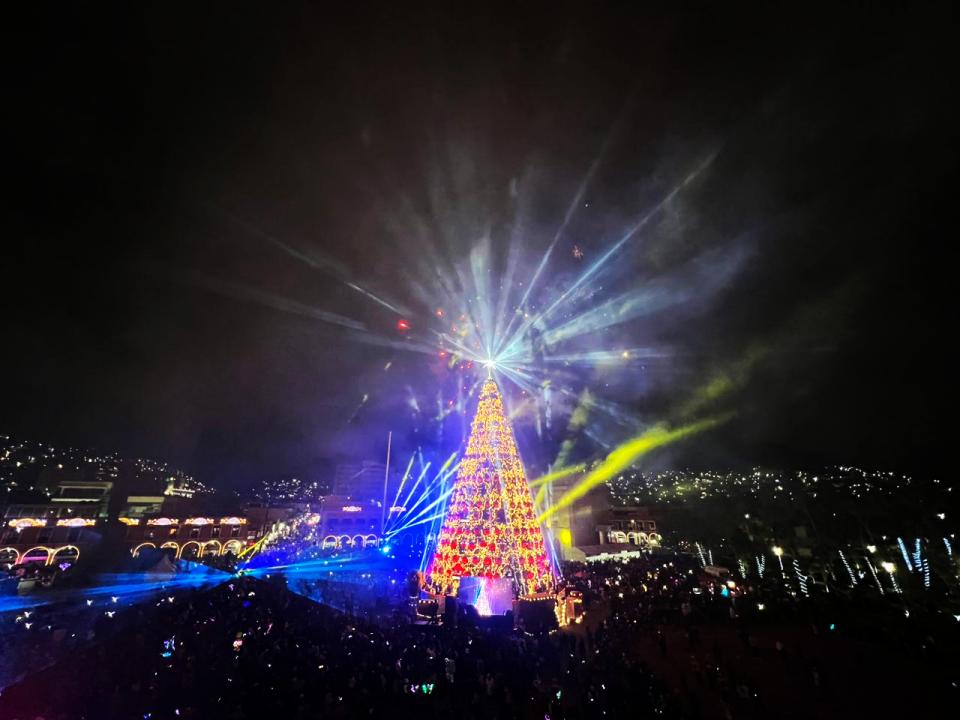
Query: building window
pixel 172 532
pixel 215 532
pixel 194 532
pixel 235 531
pixel 44 536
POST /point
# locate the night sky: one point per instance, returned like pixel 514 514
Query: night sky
pixel 162 160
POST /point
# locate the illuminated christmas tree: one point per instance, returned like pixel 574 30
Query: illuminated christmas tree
pixel 490 529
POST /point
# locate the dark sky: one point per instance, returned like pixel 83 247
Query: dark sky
pixel 154 152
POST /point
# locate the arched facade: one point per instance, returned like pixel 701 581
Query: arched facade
pixel 67 553
pixel 190 550
pixel 136 551
pixel 36 554
pixel 211 548
pixel 232 546
pixel 9 555
pixel 334 542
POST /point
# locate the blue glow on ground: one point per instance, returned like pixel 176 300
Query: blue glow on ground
pixel 28 619
pixel 127 588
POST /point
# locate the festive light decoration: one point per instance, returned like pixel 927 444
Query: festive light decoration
pixel 21 523
pixel 853 578
pixel 949 548
pixel 163 521
pixel 129 521
pixel 761 565
pixel 703 560
pixel 198 521
pixel 906 555
pixel 801 578
pixel 917 559
pixel 873 571
pixel 491 529
pixel 233 521
pixel 76 522
pixel 569 607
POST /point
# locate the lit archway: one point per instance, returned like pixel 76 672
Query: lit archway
pixel 330 542
pixel 136 551
pixel 36 554
pixel 345 541
pixel 211 548
pixel 171 549
pixel 67 553
pixel 232 546
pixel 358 541
pixel 370 541
pixel 189 550
pixel 9 555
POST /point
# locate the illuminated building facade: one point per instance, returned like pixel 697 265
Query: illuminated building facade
pixel 595 525
pixel 190 537
pixel 348 523
pixel 50 535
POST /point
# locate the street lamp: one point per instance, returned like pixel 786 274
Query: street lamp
pixel 778 551
pixel 891 569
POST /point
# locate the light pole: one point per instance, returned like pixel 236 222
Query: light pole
pixel 386 478
pixel 778 551
pixel 891 569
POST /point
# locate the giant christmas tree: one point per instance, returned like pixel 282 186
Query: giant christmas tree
pixel 491 530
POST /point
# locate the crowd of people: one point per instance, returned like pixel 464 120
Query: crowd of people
pixel 659 638
pixel 251 647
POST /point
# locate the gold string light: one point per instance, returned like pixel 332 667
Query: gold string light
pixel 491 529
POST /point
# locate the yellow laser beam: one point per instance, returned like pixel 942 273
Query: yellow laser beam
pixel 538 500
pixel 557 475
pixel 544 482
pixel 628 453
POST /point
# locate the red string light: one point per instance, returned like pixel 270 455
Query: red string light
pixel 490 529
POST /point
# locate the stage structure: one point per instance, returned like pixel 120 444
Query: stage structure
pixel 490 543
